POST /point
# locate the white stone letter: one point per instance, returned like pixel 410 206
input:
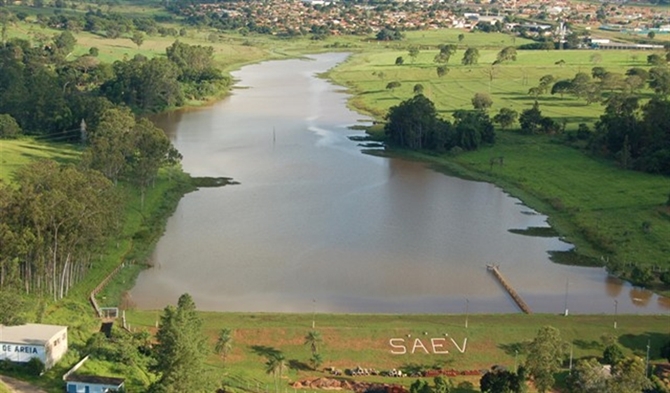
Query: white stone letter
pixel 465 342
pixel 400 347
pixel 419 344
pixel 438 343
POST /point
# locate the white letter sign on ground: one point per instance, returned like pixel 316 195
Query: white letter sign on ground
pixel 437 346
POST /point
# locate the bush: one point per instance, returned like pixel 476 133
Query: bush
pixel 9 128
pixel 35 367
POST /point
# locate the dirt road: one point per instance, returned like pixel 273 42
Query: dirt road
pixel 16 386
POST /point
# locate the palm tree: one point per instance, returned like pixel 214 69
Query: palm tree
pixel 313 338
pixel 275 365
pixel 224 343
pixel 316 360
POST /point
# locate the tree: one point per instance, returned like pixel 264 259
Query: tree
pixel 413 52
pixel 588 376
pixel 656 60
pixel 545 355
pixel 665 349
pixel 13 306
pixel 446 51
pixel 442 385
pixel 9 128
pixel 414 124
pixel 418 88
pixel 471 56
pixel 461 37
pixel 399 60
pixel 275 365
pixel 224 343
pixel 442 71
pixel 505 117
pixel 420 386
pixel 64 43
pixel 181 350
pixel 482 101
pixel 499 380
pixel 651 35
pixel 151 150
pixel 472 129
pixel 393 85
pixel 612 354
pixel 316 360
pixel 598 72
pixel 137 38
pixel 111 143
pixel 629 375
pixel 507 53
pixel 659 80
pixel 561 87
pixel 312 339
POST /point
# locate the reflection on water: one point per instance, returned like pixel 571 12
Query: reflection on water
pixel 613 286
pixel 315 221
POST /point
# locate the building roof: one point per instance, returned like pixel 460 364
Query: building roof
pixel 29 334
pixel 95 379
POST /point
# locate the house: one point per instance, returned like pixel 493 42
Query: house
pixel 21 343
pixel 93 384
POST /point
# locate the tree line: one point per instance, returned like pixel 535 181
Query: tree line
pixel 47 94
pixel 56 220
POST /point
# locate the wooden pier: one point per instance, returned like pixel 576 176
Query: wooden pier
pixel 515 296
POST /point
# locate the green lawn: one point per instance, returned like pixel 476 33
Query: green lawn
pixel 363 340
pixel 15 153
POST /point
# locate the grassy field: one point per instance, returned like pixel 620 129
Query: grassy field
pixel 507 83
pixel 593 203
pixel 15 153
pixel 363 340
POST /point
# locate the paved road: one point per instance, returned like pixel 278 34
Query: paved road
pixel 17 386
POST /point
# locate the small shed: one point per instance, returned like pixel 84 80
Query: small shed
pixel 24 342
pixel 93 384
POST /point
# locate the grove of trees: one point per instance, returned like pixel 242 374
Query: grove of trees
pixel 414 124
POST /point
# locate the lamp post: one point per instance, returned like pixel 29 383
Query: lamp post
pixel 567 285
pixel 313 313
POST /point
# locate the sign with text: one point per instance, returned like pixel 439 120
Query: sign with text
pixel 21 352
pixel 434 346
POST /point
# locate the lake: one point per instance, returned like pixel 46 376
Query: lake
pixel 316 225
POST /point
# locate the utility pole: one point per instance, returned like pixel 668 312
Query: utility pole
pixel 616 305
pixel 467 306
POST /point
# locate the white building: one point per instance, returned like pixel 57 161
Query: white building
pixel 24 342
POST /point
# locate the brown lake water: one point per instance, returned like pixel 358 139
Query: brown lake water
pixel 315 225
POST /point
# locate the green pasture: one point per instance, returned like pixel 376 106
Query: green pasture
pixel 15 153
pixel 596 205
pixel 368 73
pixel 363 340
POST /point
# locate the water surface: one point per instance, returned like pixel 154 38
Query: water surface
pixel 316 225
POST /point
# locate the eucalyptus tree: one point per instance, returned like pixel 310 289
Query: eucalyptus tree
pixel 62 216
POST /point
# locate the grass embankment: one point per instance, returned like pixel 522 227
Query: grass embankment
pixel 363 340
pixel 142 227
pixel 594 204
